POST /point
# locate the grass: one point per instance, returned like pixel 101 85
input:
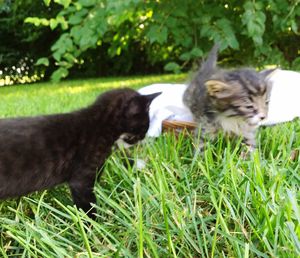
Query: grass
pixel 180 205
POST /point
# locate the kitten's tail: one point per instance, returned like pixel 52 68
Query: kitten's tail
pixel 210 63
pixel 205 72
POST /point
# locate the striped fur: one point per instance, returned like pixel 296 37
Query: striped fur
pixel 234 101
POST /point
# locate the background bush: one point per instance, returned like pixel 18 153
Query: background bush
pixel 22 44
pixel 99 38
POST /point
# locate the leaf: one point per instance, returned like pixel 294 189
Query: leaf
pixel 205 30
pixel 61 19
pixel 53 24
pixel 185 56
pixel 44 22
pixel 65 3
pixel 296 63
pixel 70 58
pixel 76 33
pixel 60 43
pixel 75 19
pixel 47 2
pixel 196 52
pixel 258 40
pixel 157 34
pixel 254 19
pixel 172 23
pixel 87 3
pixel 78 16
pixel 34 20
pixel 294 27
pixel 43 61
pixel 57 55
pixel 37 21
pixel 86 40
pixel 172 67
pixel 59 74
pixel 227 34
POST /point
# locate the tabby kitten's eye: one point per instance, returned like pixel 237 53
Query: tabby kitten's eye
pixel 249 106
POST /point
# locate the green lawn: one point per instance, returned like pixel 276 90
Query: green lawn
pixel 180 205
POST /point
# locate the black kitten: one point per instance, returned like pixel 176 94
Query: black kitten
pixel 37 153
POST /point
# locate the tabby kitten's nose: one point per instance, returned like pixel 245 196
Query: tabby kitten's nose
pixel 262 116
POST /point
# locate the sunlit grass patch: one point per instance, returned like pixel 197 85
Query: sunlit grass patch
pixel 45 98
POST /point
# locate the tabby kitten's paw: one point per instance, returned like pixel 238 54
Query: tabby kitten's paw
pixel 247 152
pixel 198 145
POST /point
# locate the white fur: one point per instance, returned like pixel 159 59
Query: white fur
pixel 122 144
pixel 234 125
pixel 140 164
pixel 255 120
pixel 284 102
pixel 168 105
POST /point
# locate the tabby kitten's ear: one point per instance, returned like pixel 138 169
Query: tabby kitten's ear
pixel 267 73
pixel 218 89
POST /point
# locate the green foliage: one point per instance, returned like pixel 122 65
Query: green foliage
pixel 21 43
pixel 254 19
pixel 175 33
pixel 99 37
pixel 43 61
pixel 180 205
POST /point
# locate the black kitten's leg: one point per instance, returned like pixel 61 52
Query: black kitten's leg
pixel 128 161
pixel 126 158
pixel 83 194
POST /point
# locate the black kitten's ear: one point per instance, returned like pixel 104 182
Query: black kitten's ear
pixel 140 102
pixel 149 98
pixel 218 89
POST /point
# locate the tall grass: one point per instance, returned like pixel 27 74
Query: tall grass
pixel 180 205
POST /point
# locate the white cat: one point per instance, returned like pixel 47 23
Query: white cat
pixel 284 102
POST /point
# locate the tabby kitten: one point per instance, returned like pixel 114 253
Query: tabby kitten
pixel 41 152
pixel 234 101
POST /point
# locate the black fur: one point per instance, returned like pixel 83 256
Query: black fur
pixel 37 153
